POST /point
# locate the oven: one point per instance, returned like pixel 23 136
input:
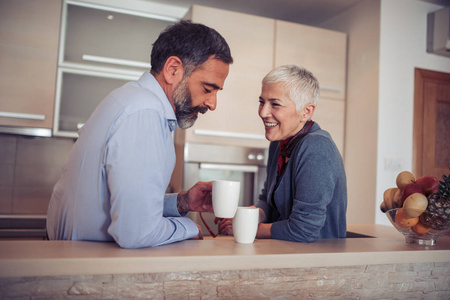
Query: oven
pixel 204 162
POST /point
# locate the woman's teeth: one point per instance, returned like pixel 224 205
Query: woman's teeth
pixel 270 124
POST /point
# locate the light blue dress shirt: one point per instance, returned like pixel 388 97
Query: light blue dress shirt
pixel 113 184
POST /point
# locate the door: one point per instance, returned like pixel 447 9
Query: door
pixel 431 149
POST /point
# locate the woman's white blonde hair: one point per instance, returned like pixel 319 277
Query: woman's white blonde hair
pixel 301 85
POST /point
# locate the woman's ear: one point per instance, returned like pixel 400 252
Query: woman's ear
pixel 173 70
pixel 308 111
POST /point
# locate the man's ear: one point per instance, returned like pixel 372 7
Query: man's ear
pixel 173 70
pixel 308 111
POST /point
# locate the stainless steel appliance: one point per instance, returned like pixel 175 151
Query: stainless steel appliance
pixel 213 162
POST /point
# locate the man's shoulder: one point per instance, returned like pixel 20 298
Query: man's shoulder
pixel 132 97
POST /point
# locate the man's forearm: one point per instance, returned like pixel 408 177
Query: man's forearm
pixel 183 203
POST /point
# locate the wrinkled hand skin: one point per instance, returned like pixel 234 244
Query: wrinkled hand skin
pixel 225 226
pixel 198 198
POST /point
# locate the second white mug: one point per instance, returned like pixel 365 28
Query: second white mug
pixel 245 224
pixel 225 198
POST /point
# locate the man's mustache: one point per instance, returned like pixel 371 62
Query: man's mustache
pixel 201 109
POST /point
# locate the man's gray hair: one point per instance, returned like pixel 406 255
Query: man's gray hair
pixel 301 85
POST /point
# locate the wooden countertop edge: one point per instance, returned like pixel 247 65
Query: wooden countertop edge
pixel 136 265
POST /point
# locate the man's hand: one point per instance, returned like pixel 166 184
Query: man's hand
pixel 198 198
pixel 200 233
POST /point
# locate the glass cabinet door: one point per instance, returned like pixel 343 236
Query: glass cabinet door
pixel 79 95
pixel 101 48
pixel 99 37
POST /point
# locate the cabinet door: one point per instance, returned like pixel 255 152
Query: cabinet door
pixel 29 33
pixel 321 51
pixel 235 120
pixel 97 37
pixel 330 115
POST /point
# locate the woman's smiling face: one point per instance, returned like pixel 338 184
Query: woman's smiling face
pixel 278 112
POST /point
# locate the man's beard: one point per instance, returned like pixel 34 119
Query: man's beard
pixel 182 99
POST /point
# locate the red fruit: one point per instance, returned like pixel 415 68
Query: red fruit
pixel 410 189
pixel 429 184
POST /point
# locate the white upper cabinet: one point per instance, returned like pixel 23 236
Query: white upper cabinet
pixel 29 34
pixel 235 120
pixel 321 51
pixel 324 53
pixel 258 45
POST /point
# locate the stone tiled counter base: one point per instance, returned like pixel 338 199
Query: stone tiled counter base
pixel 390 281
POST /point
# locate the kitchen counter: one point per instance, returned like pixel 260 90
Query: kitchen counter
pixel 54 258
pixel 382 266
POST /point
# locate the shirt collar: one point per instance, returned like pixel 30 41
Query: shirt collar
pixel 148 81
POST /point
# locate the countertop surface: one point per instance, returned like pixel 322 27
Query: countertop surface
pixel 54 258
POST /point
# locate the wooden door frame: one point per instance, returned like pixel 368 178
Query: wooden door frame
pixel 420 77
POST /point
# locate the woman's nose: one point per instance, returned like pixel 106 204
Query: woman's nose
pixel 264 111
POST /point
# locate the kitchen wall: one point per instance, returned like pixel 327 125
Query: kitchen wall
pixel 362 24
pixel 29 168
pixel 402 48
pixel 380 95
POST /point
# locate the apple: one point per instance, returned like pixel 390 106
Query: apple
pixel 429 184
pixel 410 189
pixel 404 178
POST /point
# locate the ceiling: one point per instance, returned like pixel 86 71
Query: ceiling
pixel 309 12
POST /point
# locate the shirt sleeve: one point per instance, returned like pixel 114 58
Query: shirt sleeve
pixel 314 174
pixel 136 165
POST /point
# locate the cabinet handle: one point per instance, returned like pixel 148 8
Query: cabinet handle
pixel 330 89
pixel 229 134
pixel 245 168
pixel 21 116
pixel 116 61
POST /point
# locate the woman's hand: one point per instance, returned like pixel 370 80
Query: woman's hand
pixel 197 198
pixel 225 226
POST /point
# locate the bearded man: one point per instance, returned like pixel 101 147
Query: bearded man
pixel 113 184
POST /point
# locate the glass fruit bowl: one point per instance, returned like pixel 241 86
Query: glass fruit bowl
pixel 414 231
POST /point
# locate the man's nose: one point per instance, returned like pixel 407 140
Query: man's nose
pixel 211 102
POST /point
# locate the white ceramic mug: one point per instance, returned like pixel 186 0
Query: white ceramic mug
pixel 245 224
pixel 225 198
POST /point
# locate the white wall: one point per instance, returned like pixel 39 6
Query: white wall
pixel 402 48
pixel 362 24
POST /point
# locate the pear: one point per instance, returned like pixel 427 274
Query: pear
pixel 415 205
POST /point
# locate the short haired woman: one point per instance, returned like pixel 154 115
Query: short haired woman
pixel 305 194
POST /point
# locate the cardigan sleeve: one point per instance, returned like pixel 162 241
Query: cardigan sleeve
pixel 313 175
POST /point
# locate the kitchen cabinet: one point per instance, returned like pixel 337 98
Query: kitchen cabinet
pixel 330 115
pixel 258 45
pixel 235 120
pixel 29 34
pixel 101 48
pixel 323 52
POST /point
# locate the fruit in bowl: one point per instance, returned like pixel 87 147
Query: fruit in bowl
pixel 422 211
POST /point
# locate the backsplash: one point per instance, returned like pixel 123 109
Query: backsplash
pixel 29 168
